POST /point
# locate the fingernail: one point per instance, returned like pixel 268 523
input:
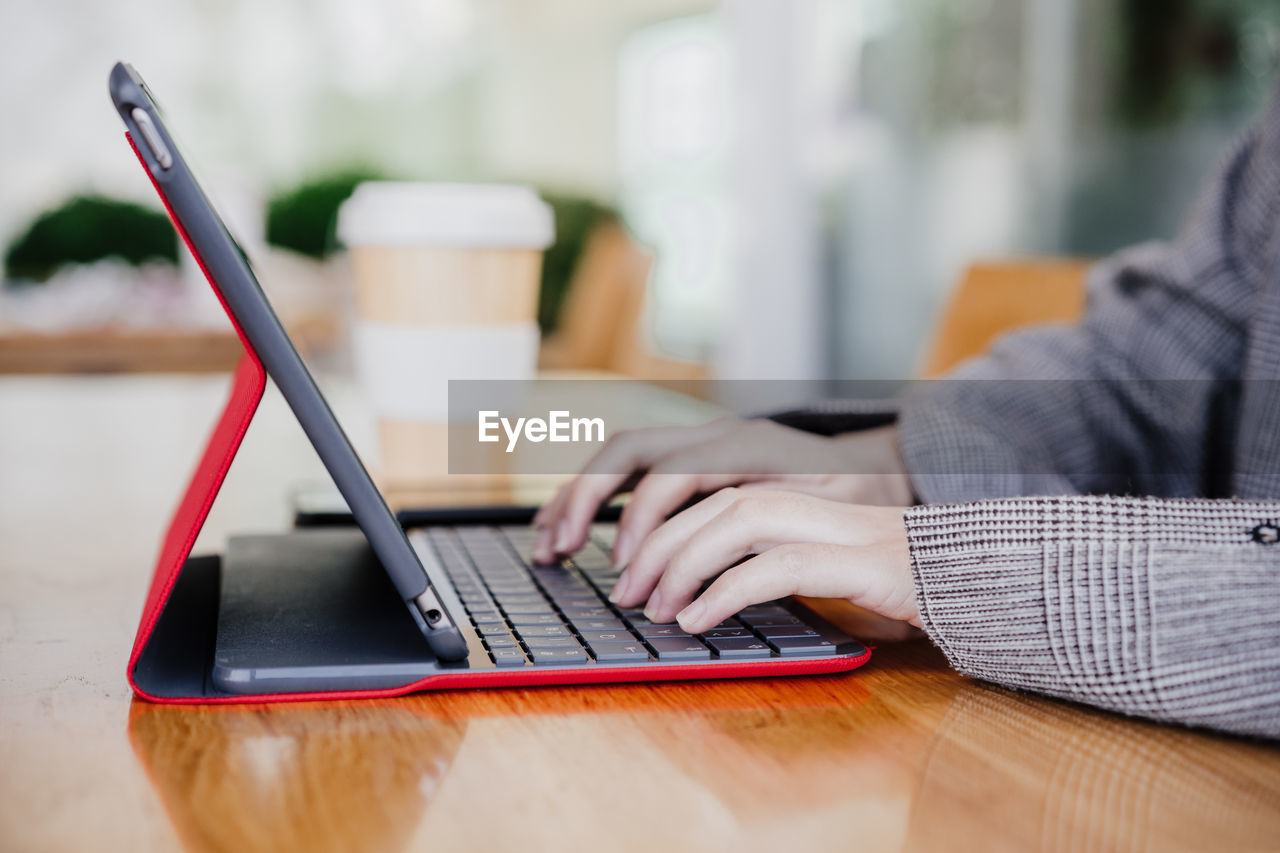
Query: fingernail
pixel 651 609
pixel 691 615
pixel 622 550
pixel 619 588
pixel 562 535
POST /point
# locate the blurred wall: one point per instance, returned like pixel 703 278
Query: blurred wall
pixel 274 90
pixel 989 128
pixel 812 175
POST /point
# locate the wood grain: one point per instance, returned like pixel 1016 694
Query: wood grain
pixel 901 755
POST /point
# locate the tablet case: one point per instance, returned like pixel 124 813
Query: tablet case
pixel 173 649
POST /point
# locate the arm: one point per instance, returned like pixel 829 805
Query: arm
pixel 1165 609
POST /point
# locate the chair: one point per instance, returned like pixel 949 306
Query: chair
pixel 997 296
pixel 601 321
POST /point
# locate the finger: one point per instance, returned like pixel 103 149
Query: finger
pixel 656 496
pixel 642 574
pixel 544 522
pixel 704 467
pixel 754 521
pixel 826 571
pixel 547 517
pixel 605 474
pixel 744 528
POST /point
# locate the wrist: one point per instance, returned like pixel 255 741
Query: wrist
pixel 875 460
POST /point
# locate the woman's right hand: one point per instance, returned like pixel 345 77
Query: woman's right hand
pixel 666 466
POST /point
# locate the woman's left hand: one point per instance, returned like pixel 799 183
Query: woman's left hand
pixel 797 544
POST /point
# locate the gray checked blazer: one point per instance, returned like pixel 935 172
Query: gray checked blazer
pixel 1099 516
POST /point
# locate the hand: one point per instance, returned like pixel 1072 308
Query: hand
pixel 795 544
pixel 670 465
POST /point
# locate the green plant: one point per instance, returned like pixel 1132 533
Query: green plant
pixel 89 228
pixel 576 218
pixel 304 219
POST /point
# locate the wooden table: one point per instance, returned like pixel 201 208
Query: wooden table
pixel 902 754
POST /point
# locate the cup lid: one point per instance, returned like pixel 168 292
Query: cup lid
pixel 410 213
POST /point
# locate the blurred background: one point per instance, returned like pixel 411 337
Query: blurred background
pixel 807 180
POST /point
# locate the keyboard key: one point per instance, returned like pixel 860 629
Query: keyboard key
pixel 725 632
pixel 507 642
pixel 542 655
pixel 577 598
pixel 498 571
pixel 675 648
pixel 669 630
pixel 566 589
pixel 527 631
pixel 503 597
pixel 792 646
pixel 619 652
pixel 759 622
pixel 521 599
pixel 739 647
pixel 536 619
pixel 771 631
pixel 577 602
pixel 599 625
pixel 619 636
pixel 527 609
pixel 577 613
pixel 774 616
pixel 552 642
pixel 550 572
pixel 507 657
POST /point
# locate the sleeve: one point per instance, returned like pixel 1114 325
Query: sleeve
pixel 1166 609
pixel 1139 397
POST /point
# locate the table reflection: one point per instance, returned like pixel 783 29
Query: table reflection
pixel 314 777
pixel 490 769
pixel 900 755
pixel 1038 773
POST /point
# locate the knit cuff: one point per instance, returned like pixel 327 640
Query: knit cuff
pixel 1126 603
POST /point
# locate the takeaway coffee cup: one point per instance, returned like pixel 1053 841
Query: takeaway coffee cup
pixel 446 282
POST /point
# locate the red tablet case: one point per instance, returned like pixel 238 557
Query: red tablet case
pixel 175 632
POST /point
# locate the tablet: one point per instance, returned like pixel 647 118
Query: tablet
pixel 228 270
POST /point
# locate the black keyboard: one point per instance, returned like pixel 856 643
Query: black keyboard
pixel 557 615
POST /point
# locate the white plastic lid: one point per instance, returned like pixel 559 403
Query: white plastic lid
pixel 500 216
